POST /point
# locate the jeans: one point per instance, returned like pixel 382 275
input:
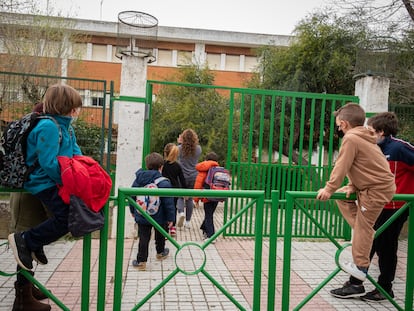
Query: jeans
pixel 53 228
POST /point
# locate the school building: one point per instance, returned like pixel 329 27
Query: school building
pixel 96 55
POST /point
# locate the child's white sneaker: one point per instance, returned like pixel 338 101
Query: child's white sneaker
pixel 354 270
pixel 187 224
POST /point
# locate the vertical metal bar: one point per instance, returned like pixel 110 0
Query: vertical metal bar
pixel 261 126
pixel 103 259
pixel 271 286
pixel 409 287
pixel 271 129
pixel 287 251
pixel 119 255
pixel 86 274
pixel 258 249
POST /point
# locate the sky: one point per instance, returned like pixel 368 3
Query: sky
pixel 277 17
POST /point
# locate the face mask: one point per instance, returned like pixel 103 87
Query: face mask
pixel 380 139
pixel 73 119
pixel 339 132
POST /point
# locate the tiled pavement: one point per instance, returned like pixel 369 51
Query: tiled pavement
pixel 229 261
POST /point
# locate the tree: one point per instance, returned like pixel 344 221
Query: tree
pixel 320 59
pixel 202 109
pixel 385 18
pixel 35 41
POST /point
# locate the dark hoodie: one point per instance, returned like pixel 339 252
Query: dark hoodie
pixel 167 209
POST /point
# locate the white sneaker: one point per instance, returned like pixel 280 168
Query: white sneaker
pixel 352 269
pixel 207 239
pixel 181 217
pixel 187 224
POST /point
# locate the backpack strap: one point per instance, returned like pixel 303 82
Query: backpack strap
pixel 160 179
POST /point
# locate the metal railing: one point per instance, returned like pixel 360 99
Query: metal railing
pixel 253 203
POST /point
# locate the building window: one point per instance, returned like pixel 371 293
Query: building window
pixel 232 62
pixel 184 58
pixel 214 61
pixel 250 63
pixel 99 53
pixel 97 101
pixel 164 58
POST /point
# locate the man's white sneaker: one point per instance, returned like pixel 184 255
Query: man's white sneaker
pixel 181 218
pixel 354 270
pixel 187 225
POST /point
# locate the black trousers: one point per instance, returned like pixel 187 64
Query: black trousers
pixel 208 223
pixel 386 247
pixel 144 235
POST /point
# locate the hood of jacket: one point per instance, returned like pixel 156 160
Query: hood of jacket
pixel 145 177
pixel 363 133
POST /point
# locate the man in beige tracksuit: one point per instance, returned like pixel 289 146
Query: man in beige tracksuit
pixel 362 161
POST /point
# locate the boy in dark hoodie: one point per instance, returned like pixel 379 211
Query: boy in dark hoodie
pixel 369 176
pixel 164 216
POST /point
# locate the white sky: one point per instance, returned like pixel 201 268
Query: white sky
pixel 258 16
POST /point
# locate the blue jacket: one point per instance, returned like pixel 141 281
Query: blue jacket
pixel 43 145
pixel 400 156
pixel 166 211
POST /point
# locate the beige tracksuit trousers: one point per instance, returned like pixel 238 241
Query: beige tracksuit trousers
pixel 361 215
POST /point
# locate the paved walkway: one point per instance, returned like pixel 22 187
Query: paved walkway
pixel 229 261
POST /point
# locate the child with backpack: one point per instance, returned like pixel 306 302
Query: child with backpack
pixel 162 210
pixel 210 205
pixel 49 139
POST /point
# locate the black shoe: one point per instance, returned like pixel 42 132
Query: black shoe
pixel 375 295
pixel 348 291
pixel 164 254
pixel 40 256
pixel 20 251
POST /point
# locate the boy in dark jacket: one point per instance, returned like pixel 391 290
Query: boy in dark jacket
pixel 400 156
pixel 164 216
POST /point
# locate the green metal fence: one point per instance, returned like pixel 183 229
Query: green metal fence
pixel 19 92
pixel 281 141
pixel 297 200
pixel 294 158
pixel 253 203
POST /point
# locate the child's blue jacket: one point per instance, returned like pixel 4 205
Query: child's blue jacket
pixel 44 145
pixel 167 209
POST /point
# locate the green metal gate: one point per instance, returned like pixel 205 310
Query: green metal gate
pixel 280 141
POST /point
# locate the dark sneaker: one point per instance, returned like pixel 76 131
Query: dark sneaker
pixel 141 266
pixel 40 257
pixel 375 295
pixel 20 251
pixel 348 291
pixel 163 255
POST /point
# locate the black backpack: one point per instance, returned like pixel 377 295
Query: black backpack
pixel 13 168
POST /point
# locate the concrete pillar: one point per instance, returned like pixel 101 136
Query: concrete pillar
pixel 373 93
pixel 130 119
